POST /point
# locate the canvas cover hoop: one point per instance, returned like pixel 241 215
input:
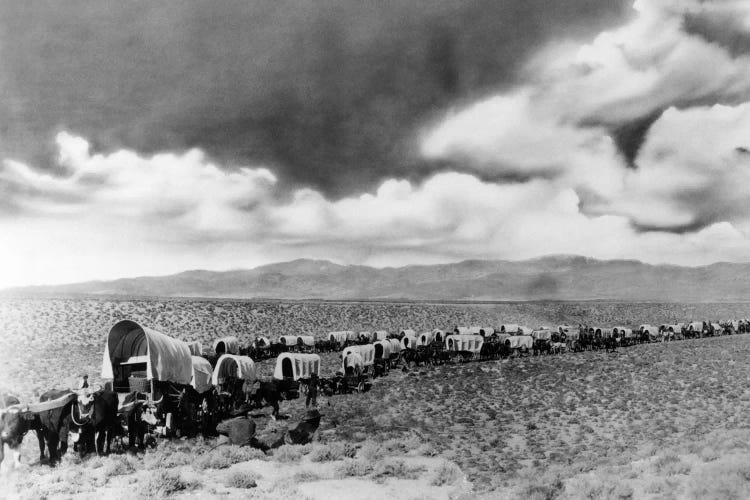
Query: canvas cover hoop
pixel 339 338
pixel 382 349
pixel 167 359
pixel 379 335
pixel 231 345
pixel 202 372
pixel 233 366
pixel 464 343
pixel 296 366
pixel 366 352
pixel 196 348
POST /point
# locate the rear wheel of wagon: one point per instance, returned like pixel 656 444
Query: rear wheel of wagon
pixel 361 386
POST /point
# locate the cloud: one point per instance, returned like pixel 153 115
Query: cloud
pixel 125 213
pixel 329 93
pixel 647 121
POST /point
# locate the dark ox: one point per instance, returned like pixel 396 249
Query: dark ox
pixel 50 424
pixel 94 416
pixel 12 428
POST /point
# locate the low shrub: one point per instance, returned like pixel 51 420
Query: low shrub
pixel 166 484
pixel 290 453
pixel 447 473
pixel 354 468
pixel 241 480
pixel 332 451
pixel 396 468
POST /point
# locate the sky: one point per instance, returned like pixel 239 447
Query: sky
pixel 147 138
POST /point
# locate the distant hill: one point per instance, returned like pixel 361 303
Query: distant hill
pixel 546 278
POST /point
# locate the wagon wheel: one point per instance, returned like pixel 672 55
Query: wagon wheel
pixel 361 386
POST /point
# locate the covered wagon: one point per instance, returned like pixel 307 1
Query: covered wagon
pixel 227 345
pixel 137 358
pixel 292 369
pixel 366 352
pixel 296 366
pixel 230 368
pixel 196 348
pixel 134 355
pixel 509 328
pixel 486 331
pixel 202 373
pixel 463 347
pixel 409 341
pixel 338 338
pixel 382 356
pixel 364 336
pixel 233 377
pixel 520 343
pixel 425 339
pixel 305 343
pixel 438 335
pixel 290 341
pixel 379 335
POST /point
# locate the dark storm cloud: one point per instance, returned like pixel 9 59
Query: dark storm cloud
pixel 722 28
pixel 328 93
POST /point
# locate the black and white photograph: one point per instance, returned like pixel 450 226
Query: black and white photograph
pixel 393 249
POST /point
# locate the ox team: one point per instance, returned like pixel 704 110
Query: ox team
pixel 159 385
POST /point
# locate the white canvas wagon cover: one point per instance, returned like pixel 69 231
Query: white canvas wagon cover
pixel 307 340
pixel 696 326
pixel 509 328
pixel 339 338
pixel 228 345
pixel 196 348
pixel 380 335
pixel 395 345
pixel 202 371
pixel 382 349
pixel 288 340
pixel 542 334
pixel 296 366
pixel 409 341
pixel 167 359
pixel 233 366
pixel 519 341
pixel 426 338
pixel 464 343
pixel 367 352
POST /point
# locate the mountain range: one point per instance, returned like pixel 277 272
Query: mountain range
pixel 545 278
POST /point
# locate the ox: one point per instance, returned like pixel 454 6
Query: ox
pixel 50 421
pixel 94 414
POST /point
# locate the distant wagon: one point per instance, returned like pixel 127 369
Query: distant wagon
pixel 227 345
pixel 338 338
pixel 232 377
pixel 365 352
pixel 293 368
pixel 409 341
pixel 290 341
pixel 425 339
pixel 365 336
pixel 305 343
pixel 509 328
pixel 486 331
pixel 231 368
pixel 463 347
pixel 382 356
pixel 196 348
pixel 379 335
